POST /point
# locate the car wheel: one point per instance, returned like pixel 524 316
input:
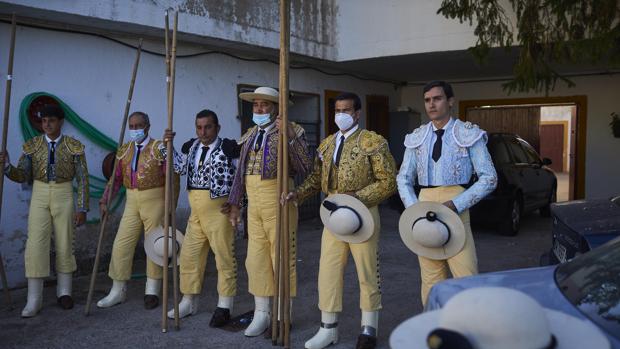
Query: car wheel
pixel 509 226
pixel 545 211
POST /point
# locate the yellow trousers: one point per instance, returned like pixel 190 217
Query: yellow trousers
pixel 464 263
pixel 51 209
pixel 144 210
pixel 334 255
pixel 260 261
pixel 208 228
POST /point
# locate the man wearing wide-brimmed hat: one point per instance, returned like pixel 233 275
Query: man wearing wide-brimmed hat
pixel 51 162
pixel 256 177
pixel 356 168
pixel 442 156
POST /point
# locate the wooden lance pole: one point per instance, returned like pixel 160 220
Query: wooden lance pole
pixel 110 184
pixel 168 200
pixel 281 308
pixel 5 128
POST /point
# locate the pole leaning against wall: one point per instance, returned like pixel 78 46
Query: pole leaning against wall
pixel 5 127
pixel 110 184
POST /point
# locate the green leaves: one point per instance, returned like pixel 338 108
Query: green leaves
pixel 548 34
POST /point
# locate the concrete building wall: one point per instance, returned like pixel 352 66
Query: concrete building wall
pixel 602 167
pixel 368 29
pixel 92 76
pixel 313 29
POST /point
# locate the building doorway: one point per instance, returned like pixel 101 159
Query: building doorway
pixel 554 126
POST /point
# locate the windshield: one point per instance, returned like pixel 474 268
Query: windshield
pixel 591 282
pixel 616 200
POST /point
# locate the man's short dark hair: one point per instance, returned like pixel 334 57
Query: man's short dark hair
pixel 350 96
pixel 447 89
pixel 206 113
pixel 51 111
pixel 144 116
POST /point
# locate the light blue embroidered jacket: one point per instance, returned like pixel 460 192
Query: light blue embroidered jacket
pixel 464 153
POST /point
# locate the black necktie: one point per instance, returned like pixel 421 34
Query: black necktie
pixel 259 140
pixel 203 155
pixel 339 151
pixel 437 146
pixel 135 168
pixel 52 153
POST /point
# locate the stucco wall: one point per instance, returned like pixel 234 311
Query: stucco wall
pixel 602 166
pixel 313 28
pixel 92 76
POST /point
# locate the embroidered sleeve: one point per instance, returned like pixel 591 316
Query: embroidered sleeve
pixel 406 178
pixel 298 153
pixel 384 171
pixel 487 177
pixel 312 184
pixel 81 178
pixel 22 173
pixel 179 161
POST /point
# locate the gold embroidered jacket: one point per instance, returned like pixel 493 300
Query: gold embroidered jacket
pixel 366 168
pixel 70 163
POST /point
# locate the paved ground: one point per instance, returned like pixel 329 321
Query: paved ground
pixel 129 325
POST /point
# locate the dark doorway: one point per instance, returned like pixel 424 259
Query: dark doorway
pixel 378 115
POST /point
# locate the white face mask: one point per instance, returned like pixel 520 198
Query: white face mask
pixel 136 135
pixel 344 121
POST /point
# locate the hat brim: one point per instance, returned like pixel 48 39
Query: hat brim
pixel 368 223
pixel 149 244
pixel 450 218
pixel 569 331
pixel 251 96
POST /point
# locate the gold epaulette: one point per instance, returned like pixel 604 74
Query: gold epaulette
pixel 32 145
pixel 157 154
pixel 246 135
pixel 299 130
pixel 123 150
pixel 371 142
pixel 325 143
pixel 74 146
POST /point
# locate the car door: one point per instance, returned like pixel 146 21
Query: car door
pixel 542 182
pixel 525 174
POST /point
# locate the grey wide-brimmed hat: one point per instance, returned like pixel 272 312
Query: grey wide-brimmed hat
pixel 154 245
pixel 347 218
pixel 432 230
pixel 266 93
pixel 496 317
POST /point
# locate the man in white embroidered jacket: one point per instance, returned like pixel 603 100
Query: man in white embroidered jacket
pixel 442 156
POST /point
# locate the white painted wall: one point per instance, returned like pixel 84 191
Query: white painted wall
pixel 369 28
pixel 602 166
pixel 92 76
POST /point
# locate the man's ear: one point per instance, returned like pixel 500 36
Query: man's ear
pixel 451 102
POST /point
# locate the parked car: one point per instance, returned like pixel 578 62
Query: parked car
pixel 580 226
pixel 587 287
pixel 525 183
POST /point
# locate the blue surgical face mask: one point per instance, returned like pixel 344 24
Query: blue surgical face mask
pixel 136 135
pixel 261 119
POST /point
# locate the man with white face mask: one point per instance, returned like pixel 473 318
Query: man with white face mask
pixel 141 170
pixel 256 176
pixel 356 162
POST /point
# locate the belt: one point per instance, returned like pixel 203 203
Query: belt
pixel 438 186
pixel 194 188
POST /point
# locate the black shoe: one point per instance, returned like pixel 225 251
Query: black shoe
pixel 221 316
pixel 365 341
pixel 65 302
pixel 151 301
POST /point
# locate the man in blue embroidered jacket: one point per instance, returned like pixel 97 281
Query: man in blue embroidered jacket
pixel 208 162
pixel 443 155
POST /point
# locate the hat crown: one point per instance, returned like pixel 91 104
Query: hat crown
pixel 267 91
pixel 158 247
pixel 504 318
pixel 344 221
pixel 431 234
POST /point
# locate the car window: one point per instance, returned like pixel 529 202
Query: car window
pixel 499 153
pixel 616 200
pixel 591 282
pixel 517 151
pixel 532 156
